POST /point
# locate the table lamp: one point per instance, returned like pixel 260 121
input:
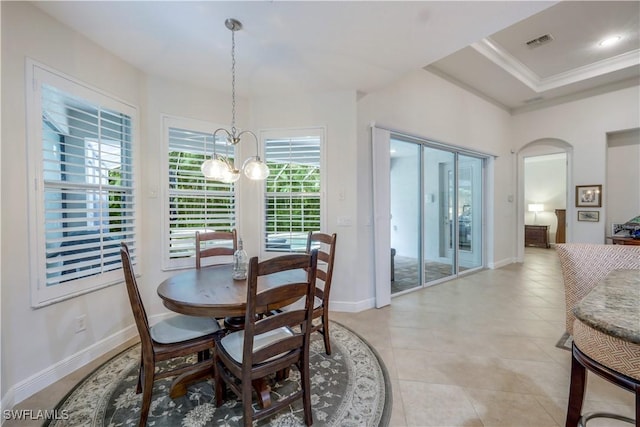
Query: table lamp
pixel 535 208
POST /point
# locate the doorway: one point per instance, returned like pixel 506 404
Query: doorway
pixel 544 181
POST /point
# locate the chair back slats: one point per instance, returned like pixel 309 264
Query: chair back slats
pixel 326 246
pixel 321 275
pixel 277 296
pixel 277 348
pixel 270 344
pixel 205 252
pixel 326 256
pixel 280 320
pixel 281 293
pixel 323 258
pixel 139 313
pixel 283 263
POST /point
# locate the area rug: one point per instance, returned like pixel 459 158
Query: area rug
pixel 565 342
pixel 349 388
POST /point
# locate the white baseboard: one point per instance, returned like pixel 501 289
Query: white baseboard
pixel 59 370
pixel 37 382
pixel 501 263
pixel 352 307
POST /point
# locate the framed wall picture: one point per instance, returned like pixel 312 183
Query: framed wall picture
pixel 588 196
pixel 591 216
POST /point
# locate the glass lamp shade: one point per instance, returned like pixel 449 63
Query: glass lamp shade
pixel 255 169
pixel 214 169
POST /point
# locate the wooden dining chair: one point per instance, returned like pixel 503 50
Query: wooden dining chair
pixel 205 250
pixel 173 337
pixel 326 245
pixel 271 344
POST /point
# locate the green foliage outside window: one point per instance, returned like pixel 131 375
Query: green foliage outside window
pixel 195 198
pixel 293 198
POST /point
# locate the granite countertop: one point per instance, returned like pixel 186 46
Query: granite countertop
pixel 613 306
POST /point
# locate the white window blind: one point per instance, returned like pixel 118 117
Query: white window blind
pixel 82 162
pixel 293 190
pixel 194 203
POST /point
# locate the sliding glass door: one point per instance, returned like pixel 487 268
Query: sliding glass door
pixel 439 223
pixel 436 213
pixel 470 183
pixel 405 185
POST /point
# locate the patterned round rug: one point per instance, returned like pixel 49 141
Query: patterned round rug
pixel 349 388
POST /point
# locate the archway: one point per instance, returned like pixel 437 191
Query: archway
pixel 541 147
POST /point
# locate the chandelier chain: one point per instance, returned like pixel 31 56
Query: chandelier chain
pixel 220 167
pixel 233 83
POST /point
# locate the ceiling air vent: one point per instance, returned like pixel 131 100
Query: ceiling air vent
pixel 539 41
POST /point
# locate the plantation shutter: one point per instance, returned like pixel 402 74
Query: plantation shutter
pixel 293 193
pixel 87 182
pixel 195 204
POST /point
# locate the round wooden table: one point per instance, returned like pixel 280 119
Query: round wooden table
pixel 212 292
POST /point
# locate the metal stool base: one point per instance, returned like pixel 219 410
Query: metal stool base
pixel 583 420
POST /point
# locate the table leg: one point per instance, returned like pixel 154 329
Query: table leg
pixel 182 381
pixel 263 391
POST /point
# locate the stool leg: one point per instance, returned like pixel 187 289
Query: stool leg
pixel 576 392
pixel 637 405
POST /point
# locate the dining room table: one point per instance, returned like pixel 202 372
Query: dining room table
pixel 213 292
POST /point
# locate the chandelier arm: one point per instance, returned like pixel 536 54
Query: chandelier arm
pixel 214 138
pixel 255 138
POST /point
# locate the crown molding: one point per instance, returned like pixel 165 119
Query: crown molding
pixel 499 56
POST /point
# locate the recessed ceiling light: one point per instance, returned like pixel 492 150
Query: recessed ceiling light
pixel 609 41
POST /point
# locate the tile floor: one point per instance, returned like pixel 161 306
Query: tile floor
pixel 475 351
pixel 480 351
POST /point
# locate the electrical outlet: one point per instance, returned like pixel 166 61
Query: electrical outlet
pixel 81 323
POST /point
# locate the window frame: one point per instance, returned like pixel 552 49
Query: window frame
pixel 317 131
pixel 36 76
pixel 171 121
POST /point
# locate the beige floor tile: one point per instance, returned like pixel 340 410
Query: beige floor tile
pixel 437 405
pixel 600 390
pixel 500 409
pixel 398 418
pixel 388 358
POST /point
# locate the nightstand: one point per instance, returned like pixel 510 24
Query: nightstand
pixel 536 235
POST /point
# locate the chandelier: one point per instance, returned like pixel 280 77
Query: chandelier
pixel 219 167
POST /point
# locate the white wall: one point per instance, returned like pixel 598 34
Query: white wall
pixel 336 112
pixel 40 343
pixel 584 125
